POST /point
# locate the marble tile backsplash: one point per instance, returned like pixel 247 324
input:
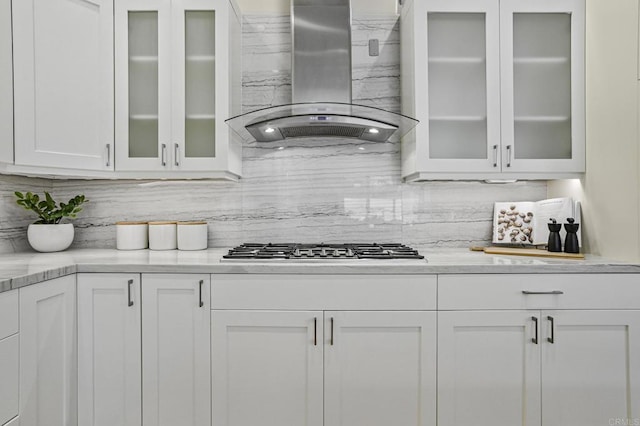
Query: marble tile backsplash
pixel 320 190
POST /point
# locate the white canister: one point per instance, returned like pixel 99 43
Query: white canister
pixel 162 236
pixel 192 235
pixel 132 235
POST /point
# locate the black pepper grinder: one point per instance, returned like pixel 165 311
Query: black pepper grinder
pixel 555 243
pixel 571 240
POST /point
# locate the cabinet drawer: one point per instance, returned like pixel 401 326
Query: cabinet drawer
pixel 8 313
pixel 536 291
pixel 323 292
pixel 9 367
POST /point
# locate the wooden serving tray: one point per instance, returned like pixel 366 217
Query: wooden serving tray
pixel 513 251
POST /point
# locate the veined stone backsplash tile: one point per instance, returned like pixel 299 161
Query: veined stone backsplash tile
pixel 312 190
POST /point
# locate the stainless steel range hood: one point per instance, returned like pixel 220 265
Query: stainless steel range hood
pixel 321 85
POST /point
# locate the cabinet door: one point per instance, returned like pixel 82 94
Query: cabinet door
pixel 176 363
pixel 380 368
pixel 9 380
pixel 591 370
pixel 488 368
pixel 63 83
pixel 460 111
pixel 267 368
pixel 199 31
pixel 6 84
pixel 109 355
pixel 542 69
pixel 143 84
pixel 48 353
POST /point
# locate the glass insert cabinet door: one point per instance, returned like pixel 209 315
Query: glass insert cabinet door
pixel 543 85
pixel 504 87
pixel 166 84
pixel 463 85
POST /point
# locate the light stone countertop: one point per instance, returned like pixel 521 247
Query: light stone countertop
pixel 22 269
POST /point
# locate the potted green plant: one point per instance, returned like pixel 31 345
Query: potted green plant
pixel 47 234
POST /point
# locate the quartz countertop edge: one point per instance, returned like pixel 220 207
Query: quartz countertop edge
pixel 22 269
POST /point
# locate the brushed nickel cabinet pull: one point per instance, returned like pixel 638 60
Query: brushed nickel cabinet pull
pixel 129 284
pixel 526 292
pixel 508 155
pixel 331 331
pixel 176 152
pixel 535 324
pixel 551 339
pixel 164 154
pixel 108 164
pixel 495 156
pixel 201 304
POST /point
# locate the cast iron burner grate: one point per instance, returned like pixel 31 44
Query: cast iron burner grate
pixel 322 251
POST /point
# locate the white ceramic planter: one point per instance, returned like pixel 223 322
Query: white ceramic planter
pixel 50 238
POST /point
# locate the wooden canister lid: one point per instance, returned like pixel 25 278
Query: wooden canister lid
pixel 192 223
pixel 131 223
pixel 163 223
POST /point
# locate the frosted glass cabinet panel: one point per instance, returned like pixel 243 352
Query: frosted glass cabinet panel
pixel 200 93
pixel 542 84
pixel 174 88
pixel 498 88
pixel 457 85
pixel 542 49
pixel 143 84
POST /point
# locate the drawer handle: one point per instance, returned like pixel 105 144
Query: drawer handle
pixel 129 284
pixel 315 331
pixel 201 304
pixel 331 331
pixel 551 339
pixel 542 292
pixel 535 324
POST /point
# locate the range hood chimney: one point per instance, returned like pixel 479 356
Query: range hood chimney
pixel 321 86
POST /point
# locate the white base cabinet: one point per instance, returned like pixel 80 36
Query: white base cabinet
pixel 591 371
pixel 379 368
pixel 267 368
pixel 110 353
pixel 144 349
pixel 323 368
pixel 500 364
pixel 9 356
pixel 48 349
pixel 176 376
pixel 338 359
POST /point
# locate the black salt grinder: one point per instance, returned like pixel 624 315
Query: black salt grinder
pixel 571 240
pixel 555 243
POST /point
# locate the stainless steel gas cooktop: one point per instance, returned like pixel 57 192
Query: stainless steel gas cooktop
pixel 320 252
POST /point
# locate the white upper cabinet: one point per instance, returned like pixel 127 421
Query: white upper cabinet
pixel 174 87
pixel 6 84
pixel 498 87
pixel 63 84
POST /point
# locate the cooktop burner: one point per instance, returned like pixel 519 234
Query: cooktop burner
pixel 322 251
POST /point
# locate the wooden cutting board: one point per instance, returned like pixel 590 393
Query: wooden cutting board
pixel 512 251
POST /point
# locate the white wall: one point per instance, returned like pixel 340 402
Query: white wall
pixel 359 7
pixel 610 189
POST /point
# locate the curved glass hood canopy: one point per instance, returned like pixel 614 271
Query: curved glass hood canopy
pixel 321 86
pixel 321 119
